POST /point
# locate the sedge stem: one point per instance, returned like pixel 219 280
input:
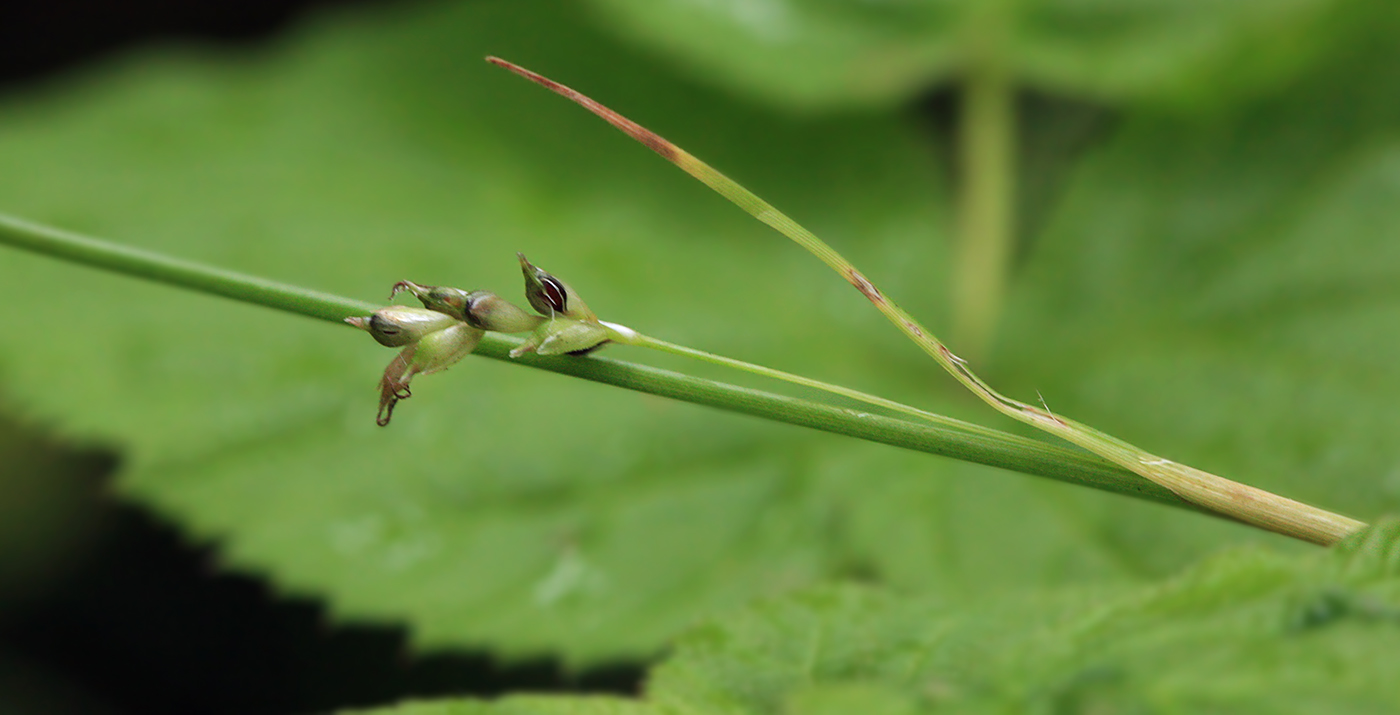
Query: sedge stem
pixel 982 445
pixel 647 341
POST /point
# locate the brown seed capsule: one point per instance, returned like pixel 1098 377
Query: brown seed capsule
pixel 551 296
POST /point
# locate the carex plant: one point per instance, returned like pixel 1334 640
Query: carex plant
pixel 566 325
pixel 454 323
pixel 1203 489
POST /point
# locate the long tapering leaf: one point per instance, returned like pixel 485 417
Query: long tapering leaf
pixel 1211 492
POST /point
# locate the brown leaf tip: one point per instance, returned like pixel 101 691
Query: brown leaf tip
pixel 651 139
pixel 532 76
pixel 864 286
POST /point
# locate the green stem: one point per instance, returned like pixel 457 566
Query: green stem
pixel 972 443
pixel 997 449
pixel 986 147
pixel 174 271
pixel 632 337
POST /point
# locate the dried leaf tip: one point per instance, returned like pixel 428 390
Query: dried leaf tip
pixel 655 141
pixel 393 386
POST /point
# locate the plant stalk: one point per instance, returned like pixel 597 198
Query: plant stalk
pixel 970 443
pixel 986 208
pixel 631 337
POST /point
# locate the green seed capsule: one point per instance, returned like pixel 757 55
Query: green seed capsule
pixel 444 348
pixel 488 311
pixel 563 335
pixel 435 352
pixel 397 325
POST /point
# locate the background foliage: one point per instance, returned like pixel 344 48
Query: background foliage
pixel 1212 277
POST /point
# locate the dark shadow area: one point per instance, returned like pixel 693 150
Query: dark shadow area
pixel 149 625
pixel 38 39
pixel 1047 151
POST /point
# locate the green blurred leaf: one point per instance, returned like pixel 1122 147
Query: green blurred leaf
pixel 1248 631
pixel 830 53
pixel 506 509
pixel 1245 631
